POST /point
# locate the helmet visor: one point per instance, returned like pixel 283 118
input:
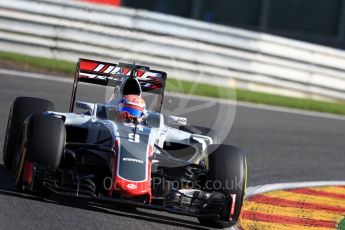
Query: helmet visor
pixel 132 111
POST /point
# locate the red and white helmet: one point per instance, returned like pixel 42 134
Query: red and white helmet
pixel 132 106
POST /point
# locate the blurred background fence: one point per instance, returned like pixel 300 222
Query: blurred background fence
pixel 187 49
pixel 317 21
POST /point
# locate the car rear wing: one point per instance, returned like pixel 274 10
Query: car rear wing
pixel 109 74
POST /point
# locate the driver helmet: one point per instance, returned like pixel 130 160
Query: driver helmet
pixel 132 107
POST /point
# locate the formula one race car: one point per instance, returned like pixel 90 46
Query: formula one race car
pixel 112 154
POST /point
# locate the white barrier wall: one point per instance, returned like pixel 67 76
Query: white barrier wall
pixel 185 48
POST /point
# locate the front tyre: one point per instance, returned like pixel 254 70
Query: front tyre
pixel 42 143
pixel 227 166
pixel 21 108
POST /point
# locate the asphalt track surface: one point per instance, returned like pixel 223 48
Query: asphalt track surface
pixel 280 147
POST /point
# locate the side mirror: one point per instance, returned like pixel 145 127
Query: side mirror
pixel 155 120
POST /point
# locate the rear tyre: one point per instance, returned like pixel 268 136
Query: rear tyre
pixel 42 142
pixel 227 165
pixel 21 108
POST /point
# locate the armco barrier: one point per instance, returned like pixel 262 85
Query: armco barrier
pixel 187 49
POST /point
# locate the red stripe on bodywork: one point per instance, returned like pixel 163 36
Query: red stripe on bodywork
pixel 317 193
pixel 104 68
pixel 140 73
pixel 142 188
pixel 28 172
pixel 233 203
pixel 125 71
pixel 262 199
pixel 249 215
pixel 88 65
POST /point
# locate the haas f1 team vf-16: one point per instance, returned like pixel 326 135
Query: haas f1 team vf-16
pixel 97 155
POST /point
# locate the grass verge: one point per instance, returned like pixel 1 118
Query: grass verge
pixel 40 63
pixel 259 98
pixel 187 87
